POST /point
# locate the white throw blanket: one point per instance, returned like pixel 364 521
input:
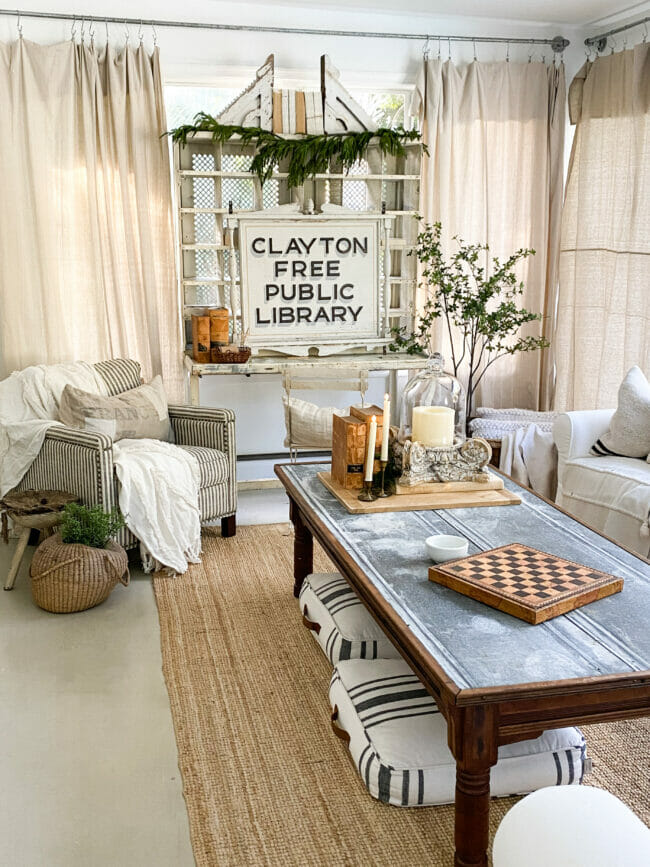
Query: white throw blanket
pixel 29 405
pixel 159 496
pixel 530 457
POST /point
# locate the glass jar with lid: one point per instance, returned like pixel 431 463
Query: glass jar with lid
pixel 432 409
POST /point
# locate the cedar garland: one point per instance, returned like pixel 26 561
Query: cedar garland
pixel 306 155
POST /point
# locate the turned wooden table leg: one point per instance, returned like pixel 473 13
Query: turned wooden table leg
pixel 303 549
pixel 472 818
pixel 473 740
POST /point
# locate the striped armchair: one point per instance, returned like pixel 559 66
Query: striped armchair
pixel 82 462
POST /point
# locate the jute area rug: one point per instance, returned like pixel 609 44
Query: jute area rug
pixel 265 780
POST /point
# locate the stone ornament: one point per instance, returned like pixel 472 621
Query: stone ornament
pixel 462 462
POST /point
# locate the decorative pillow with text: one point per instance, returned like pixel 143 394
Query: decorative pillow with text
pixel 140 413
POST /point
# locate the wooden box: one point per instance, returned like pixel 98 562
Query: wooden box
pixel 219 331
pixel 201 338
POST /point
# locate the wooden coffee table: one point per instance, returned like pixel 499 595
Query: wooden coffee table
pixel 496 679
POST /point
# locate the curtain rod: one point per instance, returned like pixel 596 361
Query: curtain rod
pixel 557 43
pixel 600 41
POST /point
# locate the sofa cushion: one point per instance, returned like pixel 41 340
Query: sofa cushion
pixel 140 413
pixel 619 484
pixel 213 465
pixel 398 740
pixel 341 624
pixel 629 429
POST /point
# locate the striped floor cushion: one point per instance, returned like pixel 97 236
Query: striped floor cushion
pixel 339 621
pixel 398 740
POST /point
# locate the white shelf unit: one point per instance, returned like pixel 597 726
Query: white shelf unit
pixel 210 176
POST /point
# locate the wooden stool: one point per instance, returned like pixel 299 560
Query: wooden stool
pixel 31 510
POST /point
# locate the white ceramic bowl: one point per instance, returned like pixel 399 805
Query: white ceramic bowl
pixel 443 548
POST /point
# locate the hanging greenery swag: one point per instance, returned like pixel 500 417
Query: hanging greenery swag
pixel 305 156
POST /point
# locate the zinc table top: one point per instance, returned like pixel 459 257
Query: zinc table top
pixel 479 646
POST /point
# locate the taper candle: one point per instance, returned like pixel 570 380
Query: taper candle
pixel 385 431
pixel 370 452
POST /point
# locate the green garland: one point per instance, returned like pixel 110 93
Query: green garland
pixel 306 156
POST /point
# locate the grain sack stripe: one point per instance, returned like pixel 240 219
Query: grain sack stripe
pixel 420 786
pixel 405 788
pixel 362 757
pixel 424 712
pixel 384 783
pixel 364 687
pixel 599 448
pixel 569 758
pixel 346 648
pixel 558 767
pixel 330 641
pixel 335 582
pixel 371 759
pixel 393 697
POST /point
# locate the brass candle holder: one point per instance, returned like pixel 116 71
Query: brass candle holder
pixel 383 492
pixel 366 495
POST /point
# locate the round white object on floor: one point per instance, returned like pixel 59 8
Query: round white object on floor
pixel 571 826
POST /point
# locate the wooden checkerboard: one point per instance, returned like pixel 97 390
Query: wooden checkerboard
pixel 525 582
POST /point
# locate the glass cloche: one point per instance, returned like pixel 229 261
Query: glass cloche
pixel 432 409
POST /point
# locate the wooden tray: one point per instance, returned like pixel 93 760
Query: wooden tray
pixel 414 502
pixel 493 483
pixel 525 582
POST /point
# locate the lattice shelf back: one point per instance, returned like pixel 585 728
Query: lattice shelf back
pixel 210 176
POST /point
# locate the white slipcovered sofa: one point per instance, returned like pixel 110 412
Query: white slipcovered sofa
pixel 611 494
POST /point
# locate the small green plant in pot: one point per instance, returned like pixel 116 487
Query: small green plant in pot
pixel 79 566
pixel 89 525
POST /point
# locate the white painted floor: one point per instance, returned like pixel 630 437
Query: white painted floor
pixel 88 762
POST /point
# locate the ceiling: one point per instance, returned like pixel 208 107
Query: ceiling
pixel 575 13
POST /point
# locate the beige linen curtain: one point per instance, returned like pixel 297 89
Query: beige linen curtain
pixel 604 300
pixel 87 265
pixel 495 133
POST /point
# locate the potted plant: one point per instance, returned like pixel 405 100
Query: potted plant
pixel 479 306
pixel 78 567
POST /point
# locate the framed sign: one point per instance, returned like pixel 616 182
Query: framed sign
pixel 313 281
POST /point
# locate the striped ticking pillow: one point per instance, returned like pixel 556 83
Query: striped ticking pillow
pixel 398 740
pixel 340 623
pixel 119 374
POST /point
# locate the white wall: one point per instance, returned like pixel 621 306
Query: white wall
pixel 229 59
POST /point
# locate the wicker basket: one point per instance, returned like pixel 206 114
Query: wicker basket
pixel 70 577
pixel 230 354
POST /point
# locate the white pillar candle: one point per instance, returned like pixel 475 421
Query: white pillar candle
pixel 433 425
pixel 370 452
pixel 385 431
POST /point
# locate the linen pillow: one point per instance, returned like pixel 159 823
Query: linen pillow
pixel 308 425
pixel 629 430
pixel 135 414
